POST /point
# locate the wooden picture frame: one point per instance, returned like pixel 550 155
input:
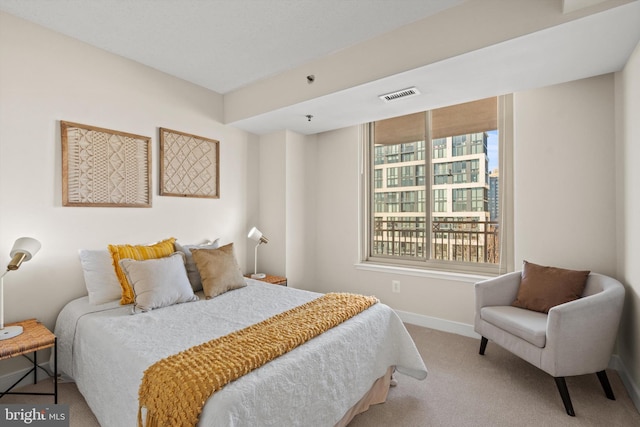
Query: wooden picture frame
pixel 189 165
pixel 104 167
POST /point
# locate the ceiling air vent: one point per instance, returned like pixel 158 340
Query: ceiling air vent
pixel 411 91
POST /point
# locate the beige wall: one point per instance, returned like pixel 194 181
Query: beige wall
pixel 301 208
pixel 287 206
pixel 564 186
pixel 564 200
pixel 46 77
pixel 628 247
pixel 272 206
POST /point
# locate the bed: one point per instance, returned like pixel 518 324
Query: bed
pixel 324 382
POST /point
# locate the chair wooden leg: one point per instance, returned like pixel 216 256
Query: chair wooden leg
pixel 604 380
pixel 564 393
pixel 483 345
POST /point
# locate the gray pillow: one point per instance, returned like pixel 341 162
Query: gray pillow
pixel 192 270
pixel 159 282
pixel 100 276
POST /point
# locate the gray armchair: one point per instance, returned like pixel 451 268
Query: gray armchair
pixel 574 338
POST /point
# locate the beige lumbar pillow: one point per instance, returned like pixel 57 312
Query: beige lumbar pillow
pixel 542 288
pixel 218 269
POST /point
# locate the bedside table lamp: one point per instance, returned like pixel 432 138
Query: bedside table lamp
pixel 255 234
pixel 23 250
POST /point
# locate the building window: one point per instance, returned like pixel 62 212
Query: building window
pixel 392 202
pixel 460 201
pixel 392 177
pixel 407 176
pixel 460 172
pixel 439 148
pixel 420 150
pixel 409 201
pixel 459 145
pixel 439 200
pixel 420 177
pixel 377 178
pixel 447 218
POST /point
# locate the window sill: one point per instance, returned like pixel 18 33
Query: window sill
pixel 418 272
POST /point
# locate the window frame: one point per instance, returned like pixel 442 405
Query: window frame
pixel 505 183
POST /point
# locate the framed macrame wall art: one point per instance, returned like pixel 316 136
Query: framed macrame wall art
pixel 104 168
pixel 189 165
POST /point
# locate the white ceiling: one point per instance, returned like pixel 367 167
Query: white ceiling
pixel 591 46
pixel 225 45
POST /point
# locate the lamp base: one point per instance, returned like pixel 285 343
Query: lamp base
pixel 258 276
pixel 10 332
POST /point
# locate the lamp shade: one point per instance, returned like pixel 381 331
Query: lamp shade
pixel 23 250
pixel 26 245
pixel 255 234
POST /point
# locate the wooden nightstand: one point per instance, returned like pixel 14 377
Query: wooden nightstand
pixel 274 280
pixel 35 337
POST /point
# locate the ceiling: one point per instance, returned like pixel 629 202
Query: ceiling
pixel 223 44
pixel 228 45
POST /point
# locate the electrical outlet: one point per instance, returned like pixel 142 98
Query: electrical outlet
pixel 395 286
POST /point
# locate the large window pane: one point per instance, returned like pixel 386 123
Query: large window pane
pixel 451 156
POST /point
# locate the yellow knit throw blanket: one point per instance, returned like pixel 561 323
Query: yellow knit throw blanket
pixel 175 389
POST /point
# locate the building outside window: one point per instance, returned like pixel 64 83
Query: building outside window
pixel 392 177
pixel 460 230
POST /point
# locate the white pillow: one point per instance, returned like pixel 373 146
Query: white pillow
pixel 192 270
pixel 158 282
pixel 100 276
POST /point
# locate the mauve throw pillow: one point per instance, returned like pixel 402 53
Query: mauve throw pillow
pixel 544 287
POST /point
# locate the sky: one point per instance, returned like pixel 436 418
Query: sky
pixel 492 148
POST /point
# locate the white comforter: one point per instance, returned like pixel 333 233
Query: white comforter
pixel 105 349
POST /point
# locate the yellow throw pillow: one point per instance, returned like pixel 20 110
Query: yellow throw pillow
pixel 139 253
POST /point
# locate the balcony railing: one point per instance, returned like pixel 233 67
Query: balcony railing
pixel 467 241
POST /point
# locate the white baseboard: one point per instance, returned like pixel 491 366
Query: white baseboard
pixel 438 324
pixel 629 384
pixel 466 330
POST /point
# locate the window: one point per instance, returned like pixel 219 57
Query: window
pixel 460 172
pixel 443 167
pixel 377 178
pixel 420 178
pixel 441 173
pixel 439 200
pixel 407 176
pixel 392 177
pixel 392 203
pixel 409 201
pixel 460 200
pixel 439 148
pixel 459 145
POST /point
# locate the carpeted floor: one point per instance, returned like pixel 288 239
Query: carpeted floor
pixel 462 389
